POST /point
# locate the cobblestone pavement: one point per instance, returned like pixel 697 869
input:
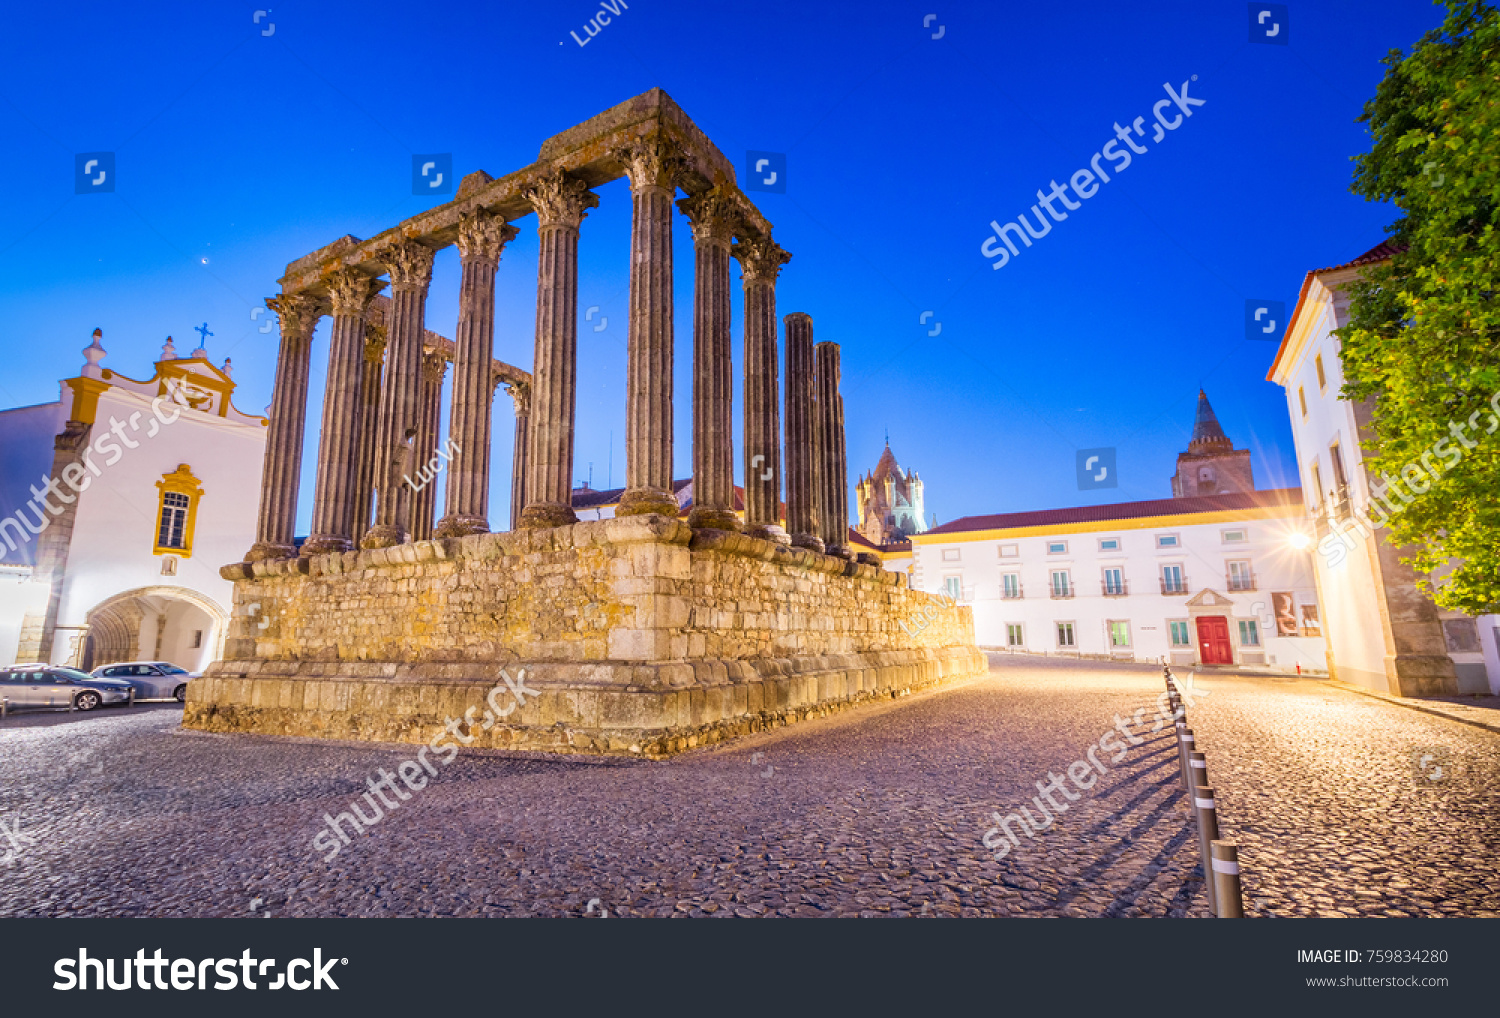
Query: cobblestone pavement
pixel 877 811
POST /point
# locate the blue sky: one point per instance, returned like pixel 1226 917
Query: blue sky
pixel 237 152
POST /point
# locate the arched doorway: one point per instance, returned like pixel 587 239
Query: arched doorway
pixel 154 624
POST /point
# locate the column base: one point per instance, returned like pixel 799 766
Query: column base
pixel 461 525
pixel 839 551
pixel 384 535
pixel 714 518
pixel 768 532
pixel 543 515
pixel 869 558
pixel 324 544
pixel 643 501
pixel 262 551
pixel 808 541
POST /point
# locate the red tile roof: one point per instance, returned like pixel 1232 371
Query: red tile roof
pixel 1290 497
pixel 1379 253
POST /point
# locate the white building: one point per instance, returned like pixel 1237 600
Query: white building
pixel 1209 580
pixel 118 504
pixel 1383 633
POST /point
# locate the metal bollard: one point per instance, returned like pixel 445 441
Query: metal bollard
pixel 1184 747
pixel 1208 833
pixel 1226 866
pixel 4 704
pixel 1198 768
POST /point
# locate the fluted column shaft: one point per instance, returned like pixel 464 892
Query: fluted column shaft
pixel 520 393
pixel 369 401
pixel 801 434
pixel 760 262
pixel 648 372
pixel 713 218
pixel 481 238
pixel 833 470
pixel 281 470
pixel 424 501
pixel 410 266
pixel 333 505
pixel 561 204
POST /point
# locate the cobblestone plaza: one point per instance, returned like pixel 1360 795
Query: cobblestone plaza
pixel 874 811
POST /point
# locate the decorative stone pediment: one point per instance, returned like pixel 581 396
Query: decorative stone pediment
pixel 1208 598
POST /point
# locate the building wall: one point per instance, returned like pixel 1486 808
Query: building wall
pixel 26 435
pixel 977 563
pixel 1365 591
pixel 20 596
pixel 1213 473
pixel 115 528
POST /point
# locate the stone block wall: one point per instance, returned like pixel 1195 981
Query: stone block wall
pixel 639 635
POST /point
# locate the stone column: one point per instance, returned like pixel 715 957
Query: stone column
pixel 333 504
pixel 520 394
pixel 481 238
pixel 760 262
pixel 423 506
pixel 409 264
pixel 560 202
pixel 833 469
pixel 714 218
pixel 369 414
pixel 651 167
pixel 281 471
pixel 801 453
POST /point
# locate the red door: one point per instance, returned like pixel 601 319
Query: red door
pixel 1213 640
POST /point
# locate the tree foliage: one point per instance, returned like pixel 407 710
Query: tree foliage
pixel 1422 332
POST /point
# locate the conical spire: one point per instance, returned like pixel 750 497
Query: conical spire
pixel 1207 433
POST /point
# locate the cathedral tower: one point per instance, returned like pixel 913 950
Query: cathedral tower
pixel 1211 465
pixel 890 502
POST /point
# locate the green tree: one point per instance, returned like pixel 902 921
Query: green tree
pixel 1422 332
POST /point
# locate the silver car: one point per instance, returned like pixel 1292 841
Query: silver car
pixel 153 680
pixel 56 686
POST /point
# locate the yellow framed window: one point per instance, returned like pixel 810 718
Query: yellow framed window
pixel 176 511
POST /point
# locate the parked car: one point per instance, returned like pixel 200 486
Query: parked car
pixel 57 686
pixel 152 679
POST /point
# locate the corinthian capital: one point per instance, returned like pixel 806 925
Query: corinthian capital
pixel 520 394
pixel 713 215
pixel 374 342
pixel 483 235
pixel 409 264
pixel 652 162
pixel 352 291
pixel 434 367
pixel 298 313
pixel 561 200
pixel 761 259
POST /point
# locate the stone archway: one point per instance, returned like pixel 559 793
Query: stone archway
pixel 158 623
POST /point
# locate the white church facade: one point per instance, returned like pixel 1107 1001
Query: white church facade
pixel 118 504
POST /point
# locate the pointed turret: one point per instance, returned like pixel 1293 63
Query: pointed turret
pixel 1211 465
pixel 1207 434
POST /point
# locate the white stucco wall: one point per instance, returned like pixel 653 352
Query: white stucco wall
pixel 1202 554
pixel 116 525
